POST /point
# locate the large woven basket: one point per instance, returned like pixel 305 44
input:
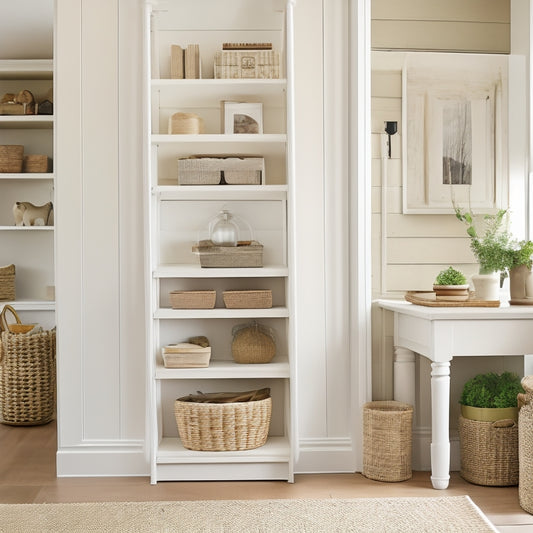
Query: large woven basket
pixel 525 456
pixel 387 440
pixel 489 452
pixel 7 282
pixel 11 156
pixel 223 426
pixel 27 378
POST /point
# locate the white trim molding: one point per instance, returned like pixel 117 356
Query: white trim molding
pixel 327 455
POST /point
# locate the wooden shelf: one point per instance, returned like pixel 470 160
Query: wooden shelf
pixel 30 122
pixel 30 305
pixel 172 314
pixel 221 192
pixel 26 228
pixel 26 69
pixel 196 271
pixel 27 176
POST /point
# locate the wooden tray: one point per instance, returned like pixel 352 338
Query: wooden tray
pixel 428 299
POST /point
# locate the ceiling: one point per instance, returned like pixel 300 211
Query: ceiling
pixel 26 29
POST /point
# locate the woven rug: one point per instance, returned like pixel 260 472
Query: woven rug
pixel 435 515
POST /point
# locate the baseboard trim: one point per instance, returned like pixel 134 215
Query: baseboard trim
pixel 103 459
pixel 422 450
pixel 329 455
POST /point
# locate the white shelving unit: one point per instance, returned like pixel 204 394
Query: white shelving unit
pixel 30 249
pixel 177 216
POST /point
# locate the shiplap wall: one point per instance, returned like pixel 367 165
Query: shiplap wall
pixel 409 250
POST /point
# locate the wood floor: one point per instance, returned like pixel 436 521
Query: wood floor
pixel 27 475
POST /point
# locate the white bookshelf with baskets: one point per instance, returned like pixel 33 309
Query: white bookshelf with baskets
pixel 179 215
pixel 29 248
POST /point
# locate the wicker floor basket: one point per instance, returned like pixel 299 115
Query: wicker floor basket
pixel 7 282
pixel 387 440
pixel 525 457
pixel 27 378
pixel 223 426
pixel 489 452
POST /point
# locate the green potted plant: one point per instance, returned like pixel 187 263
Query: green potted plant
pixel 520 274
pixel 489 397
pixel 492 248
pixel 450 284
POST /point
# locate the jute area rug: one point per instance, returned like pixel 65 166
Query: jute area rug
pixel 435 515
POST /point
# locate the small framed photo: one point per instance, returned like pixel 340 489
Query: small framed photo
pixel 242 117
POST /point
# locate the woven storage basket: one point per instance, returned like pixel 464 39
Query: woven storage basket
pixel 185 123
pixel 489 452
pixel 7 282
pixel 35 163
pixel 253 343
pixel 525 457
pixel 254 299
pixel 246 256
pixel 387 440
pixel 11 156
pixel 223 426
pixel 27 378
pixel 193 299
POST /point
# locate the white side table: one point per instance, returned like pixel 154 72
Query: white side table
pixel 441 333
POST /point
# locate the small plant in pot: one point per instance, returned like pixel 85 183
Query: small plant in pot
pixel 520 273
pixel 491 247
pixel 490 397
pixel 451 285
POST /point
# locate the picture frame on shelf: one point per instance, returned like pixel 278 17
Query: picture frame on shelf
pixel 453 140
pixel 242 117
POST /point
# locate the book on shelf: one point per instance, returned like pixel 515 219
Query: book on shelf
pixel 192 61
pixel 176 62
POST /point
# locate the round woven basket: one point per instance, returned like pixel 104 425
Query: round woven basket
pixel 525 457
pixel 253 344
pixel 387 440
pixel 223 426
pixel 489 452
pixel 185 123
pixel 11 158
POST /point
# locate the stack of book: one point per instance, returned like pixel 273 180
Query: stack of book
pixel 185 62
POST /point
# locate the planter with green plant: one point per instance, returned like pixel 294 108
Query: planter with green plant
pixel 488 429
pixel 492 248
pixel 451 285
pixel 520 273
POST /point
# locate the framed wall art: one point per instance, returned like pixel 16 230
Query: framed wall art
pixel 242 117
pixel 455 112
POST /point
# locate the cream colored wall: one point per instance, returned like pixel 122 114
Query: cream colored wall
pixel 409 250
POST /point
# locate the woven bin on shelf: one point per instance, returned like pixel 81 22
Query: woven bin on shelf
pixel 11 156
pixel 242 256
pixel 27 378
pixel 387 440
pixel 35 163
pixel 193 299
pixel 253 343
pixel 253 299
pixel 223 426
pixel 489 452
pixel 525 456
pixel 7 282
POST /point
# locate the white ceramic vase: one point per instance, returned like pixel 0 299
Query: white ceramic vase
pixel 487 286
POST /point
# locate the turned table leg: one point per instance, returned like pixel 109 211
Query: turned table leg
pixel 440 415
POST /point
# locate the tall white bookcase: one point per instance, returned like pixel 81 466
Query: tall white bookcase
pixel 30 249
pixel 177 215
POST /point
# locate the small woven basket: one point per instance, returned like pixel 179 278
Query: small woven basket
pixel 27 378
pixel 35 163
pixel 255 299
pixel 525 451
pixel 387 440
pixel 489 452
pixel 7 282
pixel 185 123
pixel 193 299
pixel 11 156
pixel 223 426
pixel 253 343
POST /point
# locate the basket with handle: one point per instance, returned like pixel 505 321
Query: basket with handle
pixel 18 326
pixel 27 377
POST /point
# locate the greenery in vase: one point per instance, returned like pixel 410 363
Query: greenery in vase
pixel 492 390
pixel 521 255
pixel 450 276
pixel 492 247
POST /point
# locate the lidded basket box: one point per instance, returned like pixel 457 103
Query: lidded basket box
pixel 224 421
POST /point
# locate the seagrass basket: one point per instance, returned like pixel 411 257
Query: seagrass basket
pixel 7 282
pixel 205 426
pixel 11 156
pixel 489 452
pixel 35 163
pixel 249 299
pixel 27 378
pixel 387 440
pixel 253 343
pixel 193 299
pixel 525 456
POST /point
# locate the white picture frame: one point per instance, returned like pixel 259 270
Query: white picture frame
pixel 242 118
pixel 455 116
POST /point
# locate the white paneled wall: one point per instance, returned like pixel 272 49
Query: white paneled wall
pixel 408 251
